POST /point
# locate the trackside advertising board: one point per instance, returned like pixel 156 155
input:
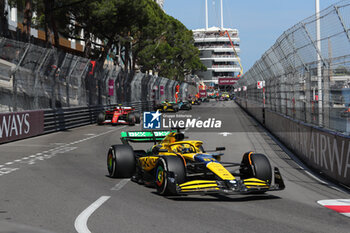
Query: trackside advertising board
pixel 19 125
pixel 226 81
pixel 202 93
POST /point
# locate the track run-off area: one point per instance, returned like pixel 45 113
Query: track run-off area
pixel 59 183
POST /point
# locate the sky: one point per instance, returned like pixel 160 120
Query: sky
pixel 260 22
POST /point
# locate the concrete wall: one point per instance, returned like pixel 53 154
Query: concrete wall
pixel 325 151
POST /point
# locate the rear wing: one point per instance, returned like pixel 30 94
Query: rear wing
pixel 144 136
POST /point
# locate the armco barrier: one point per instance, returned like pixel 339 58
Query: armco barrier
pixel 325 151
pixel 20 125
pixel 66 118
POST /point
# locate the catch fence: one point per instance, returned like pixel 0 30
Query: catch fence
pixel 289 71
pixel 33 77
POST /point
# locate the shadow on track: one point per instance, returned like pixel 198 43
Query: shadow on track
pixel 223 198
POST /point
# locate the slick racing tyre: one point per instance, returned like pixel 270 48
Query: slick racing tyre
pixel 131 119
pixel 137 118
pixel 256 166
pixel 121 161
pixel 100 118
pixel 169 171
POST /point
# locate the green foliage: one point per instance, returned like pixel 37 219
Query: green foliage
pixel 156 40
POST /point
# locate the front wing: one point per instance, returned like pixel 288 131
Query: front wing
pixel 246 186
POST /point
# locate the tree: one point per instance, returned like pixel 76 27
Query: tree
pixel 156 40
pixel 3 19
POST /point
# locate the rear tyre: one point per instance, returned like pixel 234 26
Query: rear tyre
pixel 121 161
pixel 131 119
pixel 168 168
pixel 100 118
pixel 137 118
pixel 256 166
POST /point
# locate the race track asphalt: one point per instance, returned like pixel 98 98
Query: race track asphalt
pixel 58 182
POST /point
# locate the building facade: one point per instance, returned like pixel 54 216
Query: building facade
pixel 160 3
pixel 217 53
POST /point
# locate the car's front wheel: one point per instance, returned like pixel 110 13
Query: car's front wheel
pixel 256 166
pixel 169 171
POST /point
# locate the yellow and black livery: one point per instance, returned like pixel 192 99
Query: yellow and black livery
pixel 167 106
pixel 176 165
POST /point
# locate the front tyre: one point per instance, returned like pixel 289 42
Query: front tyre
pixel 256 166
pixel 121 161
pixel 169 171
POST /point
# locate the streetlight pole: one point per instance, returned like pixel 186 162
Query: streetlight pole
pixel 222 16
pixel 206 14
pixel 319 65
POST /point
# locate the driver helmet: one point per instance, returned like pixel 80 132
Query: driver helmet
pixel 186 149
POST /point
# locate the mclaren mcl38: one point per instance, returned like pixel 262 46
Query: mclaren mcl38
pixel 175 165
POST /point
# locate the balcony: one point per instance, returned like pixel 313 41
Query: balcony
pixel 225 68
pixel 221 58
pixel 215 39
pixel 226 48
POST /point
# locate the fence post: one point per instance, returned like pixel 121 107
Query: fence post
pixel 326 97
pixel 14 80
pixel 79 82
pixel 68 79
pixel 308 97
pixel 36 77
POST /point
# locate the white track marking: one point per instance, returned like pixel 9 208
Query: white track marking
pixel 47 154
pixel 335 202
pixel 80 223
pixel 315 177
pixel 120 185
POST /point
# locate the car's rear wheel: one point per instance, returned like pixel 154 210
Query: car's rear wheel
pixel 121 161
pixel 137 118
pixel 100 118
pixel 169 171
pixel 256 166
pixel 131 119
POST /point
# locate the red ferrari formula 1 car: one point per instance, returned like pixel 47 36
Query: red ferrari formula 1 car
pixel 119 115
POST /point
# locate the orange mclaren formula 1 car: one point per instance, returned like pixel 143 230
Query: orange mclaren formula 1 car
pixel 178 166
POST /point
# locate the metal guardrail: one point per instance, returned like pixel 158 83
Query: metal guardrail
pixel 66 118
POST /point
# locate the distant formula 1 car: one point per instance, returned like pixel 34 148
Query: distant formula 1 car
pixel 204 99
pixel 184 105
pixel 224 96
pixel 196 101
pixel 119 115
pixel 175 166
pixel 167 106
